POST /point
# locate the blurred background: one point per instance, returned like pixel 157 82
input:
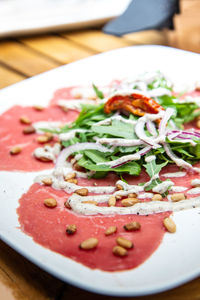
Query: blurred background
pixel 40 35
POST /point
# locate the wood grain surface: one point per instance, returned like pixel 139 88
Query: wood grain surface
pixel 24 57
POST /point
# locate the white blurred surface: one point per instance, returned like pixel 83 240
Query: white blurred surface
pixel 29 16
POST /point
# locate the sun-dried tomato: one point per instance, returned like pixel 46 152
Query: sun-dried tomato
pixel 134 103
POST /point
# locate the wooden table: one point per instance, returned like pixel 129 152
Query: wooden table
pixel 23 57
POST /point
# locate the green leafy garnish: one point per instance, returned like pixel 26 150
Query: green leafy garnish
pixel 99 93
pixel 117 128
pixel 153 170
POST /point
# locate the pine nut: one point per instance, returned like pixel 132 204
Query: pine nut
pixel 119 187
pixel 92 97
pixel 82 192
pixel 129 201
pixel 42 139
pixel 124 242
pixel 15 150
pixel 78 168
pixel 78 96
pixel 29 130
pixel 73 180
pixel 198 124
pixel 70 176
pixel 50 202
pixel 110 230
pixel 38 107
pixel 90 202
pixel 72 161
pixel 118 197
pixel 25 120
pixel 132 195
pixel 133 226
pixel 157 197
pixel 47 181
pixel 197 88
pixel 64 108
pixel 49 135
pixel 43 158
pixel 71 229
pixel 119 251
pixel 67 205
pixel 178 197
pixel 112 201
pixel 169 225
pixel 88 244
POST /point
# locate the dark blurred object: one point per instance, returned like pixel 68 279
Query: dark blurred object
pixel 144 15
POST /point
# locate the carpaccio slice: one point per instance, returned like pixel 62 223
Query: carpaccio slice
pixel 11 134
pixel 48 228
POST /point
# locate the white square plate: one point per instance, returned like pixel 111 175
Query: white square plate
pixel 177 259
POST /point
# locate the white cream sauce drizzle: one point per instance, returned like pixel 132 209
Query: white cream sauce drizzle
pixel 145 195
pixel 143 208
pixel 104 192
pixel 120 142
pixel 178 189
pixel 48 152
pixel 140 208
pixel 194 191
pixel 150 158
pixel 126 158
pixel 162 187
pixel 174 174
pixel 195 182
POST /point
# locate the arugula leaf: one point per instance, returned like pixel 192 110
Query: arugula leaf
pixel 98 175
pixel 122 179
pixel 161 81
pixel 132 168
pixel 96 156
pixel 87 112
pixel 184 152
pixel 185 112
pixel 117 128
pixel 99 93
pixel 195 151
pixel 130 149
pixel 153 169
pixel 153 184
pixel 50 130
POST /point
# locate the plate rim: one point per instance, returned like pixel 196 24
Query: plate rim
pixel 156 289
